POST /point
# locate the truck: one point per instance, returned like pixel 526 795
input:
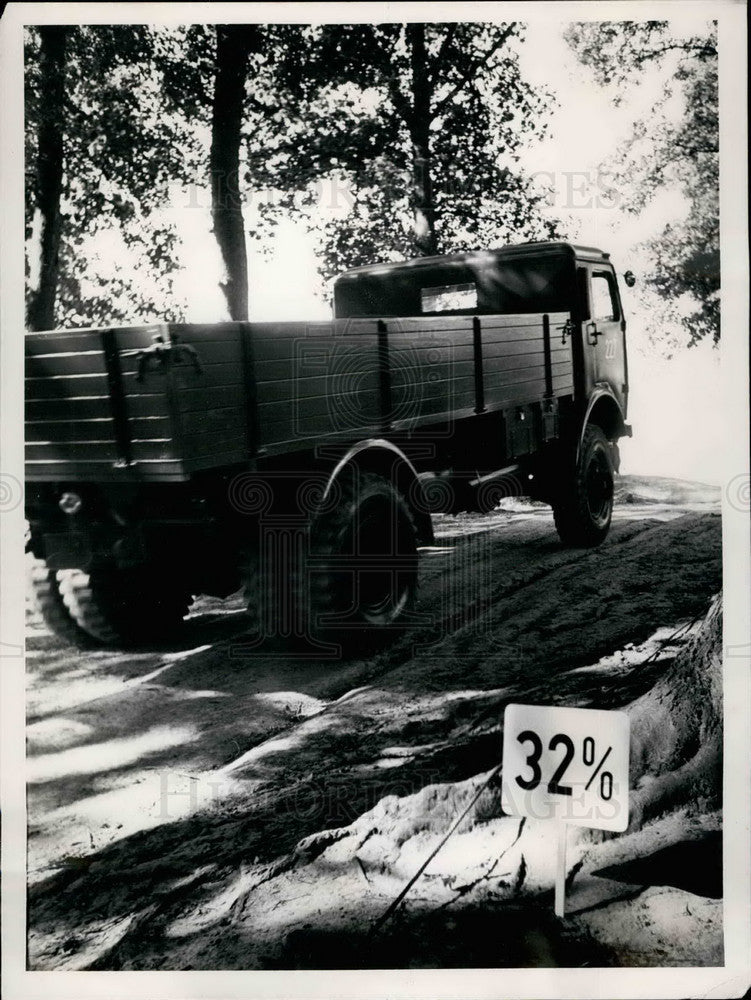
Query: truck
pixel 303 461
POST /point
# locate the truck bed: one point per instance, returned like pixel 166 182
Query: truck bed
pixel 269 388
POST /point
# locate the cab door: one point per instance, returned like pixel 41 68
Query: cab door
pixel 605 332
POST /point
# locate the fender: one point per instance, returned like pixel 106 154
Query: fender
pixel 382 457
pixel 608 415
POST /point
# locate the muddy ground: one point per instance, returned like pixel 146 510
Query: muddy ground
pixel 211 805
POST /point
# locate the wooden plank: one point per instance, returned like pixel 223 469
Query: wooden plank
pixel 104 471
pixel 276 433
pixel 513 363
pixel 502 379
pixel 183 376
pixel 65 386
pixel 189 400
pixel 94 430
pixel 322 385
pixel 444 421
pixel 347 407
pixel 214 443
pixel 132 338
pixel 63 340
pixel 563 383
pixel 276 370
pixel 499 321
pixel 217 460
pixel 88 407
pixel 226 418
pixel 311 355
pixel 518 365
pixel 557 347
pixel 513 348
pixel 42 366
pixel 513 334
pixel 515 393
pixel 72 451
pixel 209 353
pixel 98 450
pixel 350 412
pixel 429 326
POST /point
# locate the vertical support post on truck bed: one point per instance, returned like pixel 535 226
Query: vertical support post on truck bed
pixel 251 389
pixel 546 350
pixel 117 398
pixel 479 374
pixel 384 376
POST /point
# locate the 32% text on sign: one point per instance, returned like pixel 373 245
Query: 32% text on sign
pixel 566 764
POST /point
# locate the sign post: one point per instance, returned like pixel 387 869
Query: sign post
pixel 567 764
pixel 560 870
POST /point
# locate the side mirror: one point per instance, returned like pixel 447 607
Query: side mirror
pixel 630 278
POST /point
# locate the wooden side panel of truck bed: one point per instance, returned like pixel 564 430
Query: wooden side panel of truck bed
pixel 104 405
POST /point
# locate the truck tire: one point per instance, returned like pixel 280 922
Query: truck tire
pixel 123 606
pixel 307 594
pixel 46 600
pixel 363 566
pixel 583 509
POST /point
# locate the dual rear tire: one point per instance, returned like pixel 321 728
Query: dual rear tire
pixel 109 605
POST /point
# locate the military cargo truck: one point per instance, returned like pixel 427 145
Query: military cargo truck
pixel 303 461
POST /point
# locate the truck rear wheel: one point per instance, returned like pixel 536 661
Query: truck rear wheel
pixel 46 600
pixel 363 573
pixel 349 578
pixel 123 606
pixel 583 510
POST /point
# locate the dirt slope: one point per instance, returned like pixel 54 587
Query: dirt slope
pixel 214 806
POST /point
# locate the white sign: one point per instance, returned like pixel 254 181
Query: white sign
pixel 569 764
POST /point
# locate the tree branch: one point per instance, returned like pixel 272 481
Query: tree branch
pixel 709 50
pixel 445 44
pixel 472 70
pixel 401 103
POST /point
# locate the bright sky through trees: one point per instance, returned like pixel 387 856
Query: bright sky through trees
pixel 585 130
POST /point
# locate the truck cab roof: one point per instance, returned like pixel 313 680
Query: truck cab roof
pixel 521 278
pixel 529 249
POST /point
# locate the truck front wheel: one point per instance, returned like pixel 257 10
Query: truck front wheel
pixel 123 606
pixel 583 507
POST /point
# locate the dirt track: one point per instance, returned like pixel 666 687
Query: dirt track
pixel 163 781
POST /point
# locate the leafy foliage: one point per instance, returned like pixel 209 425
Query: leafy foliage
pixel 126 142
pixel 399 122
pixel 390 141
pixel 669 152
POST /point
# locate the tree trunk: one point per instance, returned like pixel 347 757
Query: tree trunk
pixel 40 307
pixel 233 45
pixel 426 241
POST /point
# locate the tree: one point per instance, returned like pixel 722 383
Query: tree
pixel 99 114
pixel 233 46
pixel 48 176
pixel 418 127
pixel 667 152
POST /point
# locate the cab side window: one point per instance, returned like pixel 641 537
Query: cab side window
pixel 604 302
